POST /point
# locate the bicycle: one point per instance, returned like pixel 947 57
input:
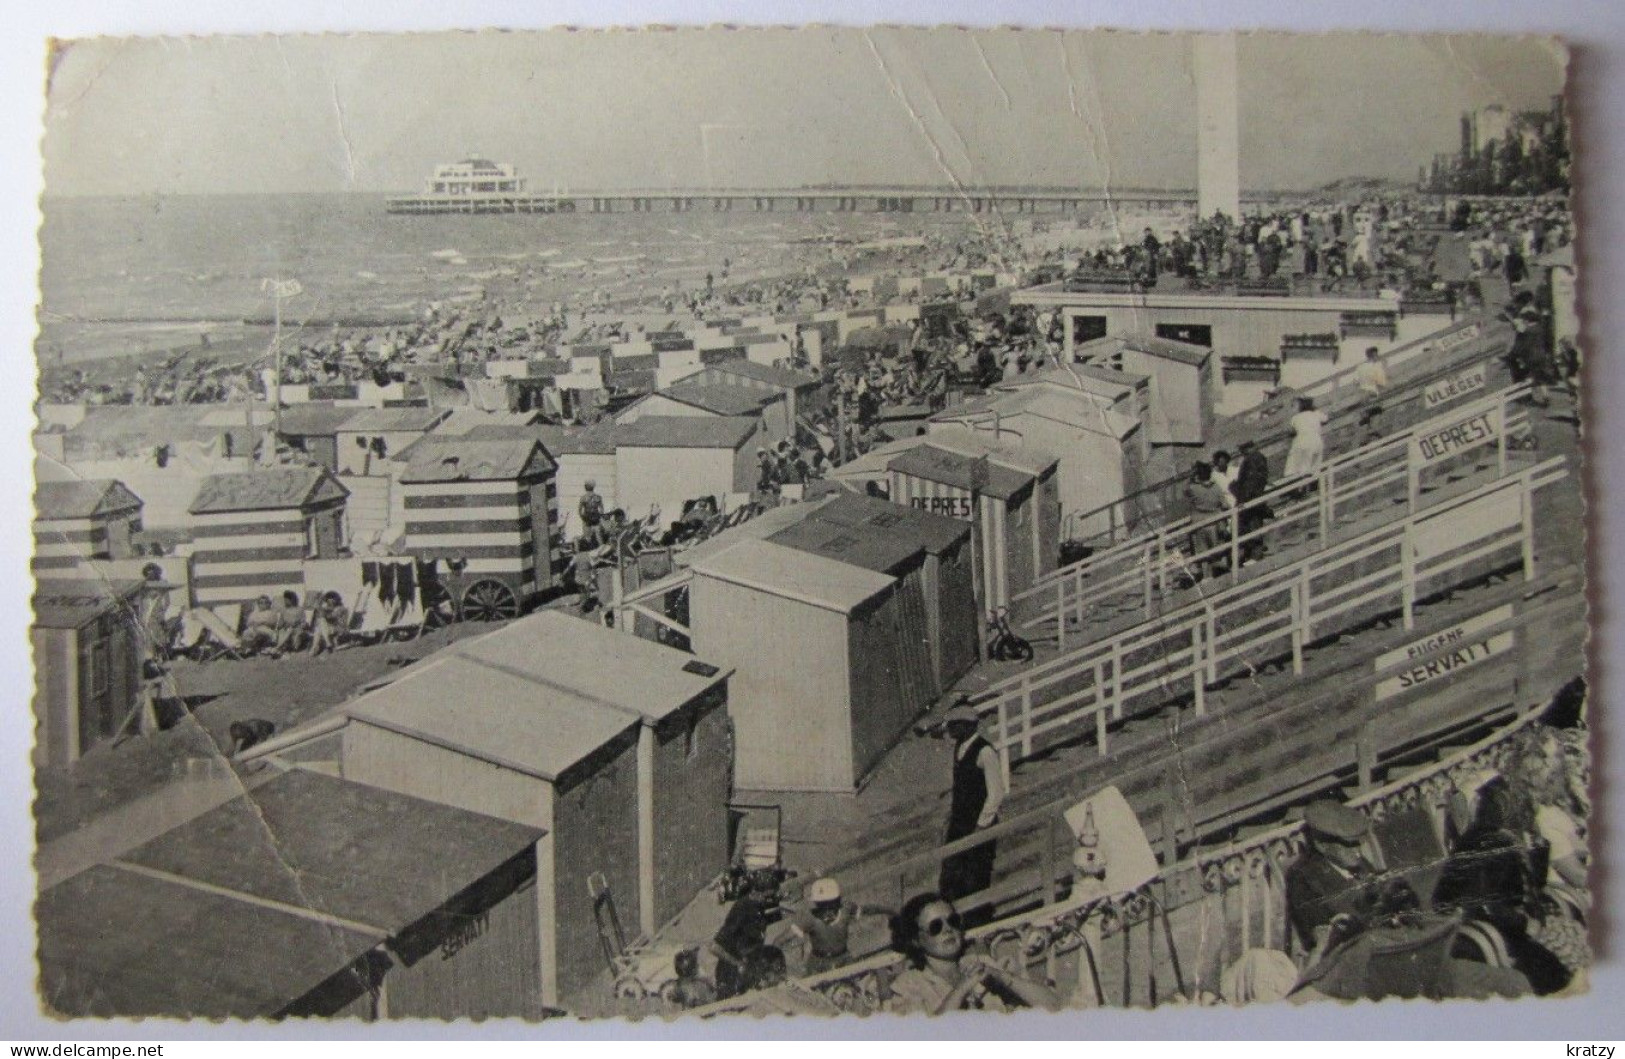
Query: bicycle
pixel 1003 644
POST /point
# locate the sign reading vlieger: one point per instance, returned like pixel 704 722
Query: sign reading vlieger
pixel 1469 432
pixel 1445 652
pixel 1459 385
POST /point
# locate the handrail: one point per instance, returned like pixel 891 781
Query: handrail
pixel 1192 643
pixel 1334 473
pixel 1258 862
pixel 857 875
pixel 1411 389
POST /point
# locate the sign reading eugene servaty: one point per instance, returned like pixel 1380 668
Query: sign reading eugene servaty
pixel 1444 652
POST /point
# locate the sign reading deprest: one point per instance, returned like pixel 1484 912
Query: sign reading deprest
pixel 1480 428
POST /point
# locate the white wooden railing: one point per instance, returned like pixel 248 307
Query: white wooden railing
pixel 1344 488
pixel 1242 627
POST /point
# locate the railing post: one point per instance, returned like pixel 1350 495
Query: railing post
pixel 1117 679
pixel 1100 730
pixel 1526 501
pixel 1330 486
pixel 1004 739
pixel 1365 756
pixel 1212 639
pixel 1060 612
pixel 1026 720
pixel 1501 441
pixel 1198 685
pixel 1235 543
pixel 1407 575
pixel 1413 481
pixel 1300 621
pixel 1324 505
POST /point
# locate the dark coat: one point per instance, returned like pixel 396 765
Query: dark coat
pixel 1316 893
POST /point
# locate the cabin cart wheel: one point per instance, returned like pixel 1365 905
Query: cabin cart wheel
pixel 489 600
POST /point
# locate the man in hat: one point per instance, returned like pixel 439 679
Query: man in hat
pixel 978 791
pixel 824 924
pixel 1333 877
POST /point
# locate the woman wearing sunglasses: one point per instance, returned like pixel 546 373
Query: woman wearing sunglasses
pixel 943 976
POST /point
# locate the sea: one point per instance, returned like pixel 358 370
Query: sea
pixel 138 275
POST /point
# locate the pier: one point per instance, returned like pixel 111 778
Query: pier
pixel 990 200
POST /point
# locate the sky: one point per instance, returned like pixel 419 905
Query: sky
pixel 756 108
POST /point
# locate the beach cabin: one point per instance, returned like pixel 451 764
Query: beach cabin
pixel 846 521
pixel 254 529
pixel 820 650
pixel 1126 394
pixel 371 438
pixel 583 454
pixel 162 453
pixel 799 388
pixel 87 657
pixel 696 398
pixel 1182 386
pixel 666 460
pixel 76 521
pixel 1558 278
pixel 491 506
pixel 616 747
pixel 1101 451
pixel 1010 496
pixel 312 896
pixel 314 430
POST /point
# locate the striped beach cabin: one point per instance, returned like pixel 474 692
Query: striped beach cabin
pixel 79 520
pixel 490 502
pixel 255 529
pixel 1010 497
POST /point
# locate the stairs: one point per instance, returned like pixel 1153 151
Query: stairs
pixel 1270 739
pixel 1185 583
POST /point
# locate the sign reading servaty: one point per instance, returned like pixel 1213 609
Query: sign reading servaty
pixel 1444 652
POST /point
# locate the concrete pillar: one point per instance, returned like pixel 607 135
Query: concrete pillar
pixel 1218 152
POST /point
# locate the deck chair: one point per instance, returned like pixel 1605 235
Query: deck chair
pixel 355 632
pixel 192 636
pixel 220 628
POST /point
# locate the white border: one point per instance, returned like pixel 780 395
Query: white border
pixel 1596 29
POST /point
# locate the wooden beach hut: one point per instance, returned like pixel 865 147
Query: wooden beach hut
pixel 819 650
pixel 254 529
pixel 491 510
pixel 1182 386
pixel 1011 498
pixel 75 521
pixel 311 896
pixel 88 656
pixel 615 746
pixel 1100 451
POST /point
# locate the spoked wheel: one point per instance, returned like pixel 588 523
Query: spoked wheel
pixel 489 600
